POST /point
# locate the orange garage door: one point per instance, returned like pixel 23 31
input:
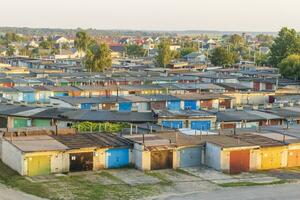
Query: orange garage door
pixel 239 161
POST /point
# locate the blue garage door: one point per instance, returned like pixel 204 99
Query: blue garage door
pixel 29 97
pixel 172 124
pixel 86 106
pixel 190 157
pixel 61 94
pixel 125 106
pixel 116 158
pixel 190 105
pixel 201 125
pixel 173 105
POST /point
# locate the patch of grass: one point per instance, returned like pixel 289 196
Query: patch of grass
pixel 12 179
pixel 163 179
pixel 241 184
pixel 76 187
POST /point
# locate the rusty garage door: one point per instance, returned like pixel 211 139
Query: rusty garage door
pixel 161 159
pixel 81 161
pixel 239 161
pixel 294 158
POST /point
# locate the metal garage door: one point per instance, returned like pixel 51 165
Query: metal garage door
pixel 125 106
pixel 86 106
pixel 294 158
pixel 190 105
pixel 239 161
pixel 116 158
pixel 201 125
pixel 172 124
pixel 161 159
pixel 271 158
pixel 81 162
pixel 190 157
pixel 39 165
pixel 173 105
pixel 20 122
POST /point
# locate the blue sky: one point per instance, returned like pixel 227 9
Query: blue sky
pixel 237 15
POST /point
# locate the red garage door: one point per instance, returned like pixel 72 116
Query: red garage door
pixel 239 161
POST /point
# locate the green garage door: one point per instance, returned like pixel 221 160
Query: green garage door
pixel 41 123
pixel 20 122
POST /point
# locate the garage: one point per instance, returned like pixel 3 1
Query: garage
pixel 39 165
pixel 81 162
pixel 172 124
pixel 271 158
pixel 190 105
pixel 161 159
pixel 190 157
pixel 116 158
pixel 239 161
pixel 201 125
pixel 294 158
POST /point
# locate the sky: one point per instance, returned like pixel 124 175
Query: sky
pixel 221 15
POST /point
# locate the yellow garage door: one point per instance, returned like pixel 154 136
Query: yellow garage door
pixel 271 158
pixel 39 165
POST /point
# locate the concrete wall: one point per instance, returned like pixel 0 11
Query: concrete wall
pixel 141 158
pixel 99 159
pixel 213 156
pixel 12 157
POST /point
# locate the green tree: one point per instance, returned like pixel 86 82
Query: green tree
pixel 221 56
pixel 261 59
pixel 164 56
pixel 98 57
pixel 10 51
pixel 135 50
pixel 82 41
pixel 35 53
pixel 186 50
pixel 236 40
pixel 286 43
pixel 290 66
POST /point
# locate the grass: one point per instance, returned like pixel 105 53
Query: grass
pixel 77 187
pixel 242 184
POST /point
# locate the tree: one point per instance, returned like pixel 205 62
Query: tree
pixel 10 51
pixel 187 50
pixel 164 56
pixel 265 40
pixel 236 40
pixel 223 57
pixel 290 66
pixel 261 59
pixel 135 50
pixel 82 41
pixel 98 57
pixel 286 43
pixel 35 53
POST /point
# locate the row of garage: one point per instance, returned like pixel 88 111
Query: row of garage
pixel 43 154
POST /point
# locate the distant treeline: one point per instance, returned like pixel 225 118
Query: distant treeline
pixel 72 32
pixel 97 32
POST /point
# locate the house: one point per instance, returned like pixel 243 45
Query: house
pixel 195 57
